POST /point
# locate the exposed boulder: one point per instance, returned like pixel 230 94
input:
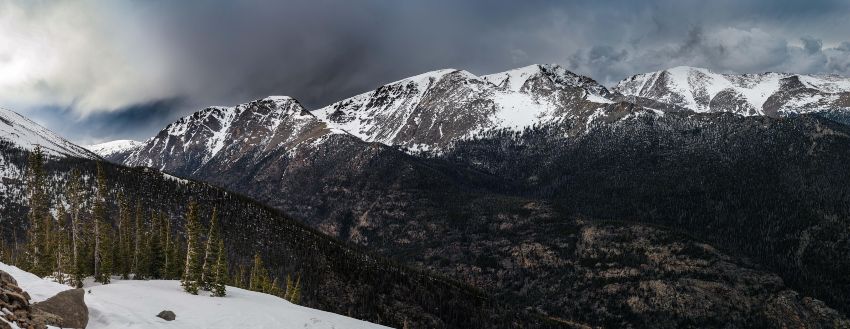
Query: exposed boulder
pixel 68 307
pixel 167 315
pixel 15 305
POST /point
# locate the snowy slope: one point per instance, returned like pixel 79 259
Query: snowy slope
pixel 434 109
pixel 702 90
pixel 26 134
pixel 114 147
pixel 134 304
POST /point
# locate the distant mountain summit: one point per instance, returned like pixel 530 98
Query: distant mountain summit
pixel 772 94
pixel 434 109
pixel 117 149
pixel 224 135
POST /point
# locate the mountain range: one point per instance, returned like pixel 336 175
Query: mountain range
pixel 678 198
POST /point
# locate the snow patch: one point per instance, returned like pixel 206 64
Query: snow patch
pixel 135 303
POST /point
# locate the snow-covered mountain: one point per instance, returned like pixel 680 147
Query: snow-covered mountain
pixel 772 94
pixel 434 109
pixel 228 134
pixel 135 304
pixel 116 148
pixel 25 134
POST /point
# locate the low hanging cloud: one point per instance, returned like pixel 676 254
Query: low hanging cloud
pixel 725 50
pixel 86 67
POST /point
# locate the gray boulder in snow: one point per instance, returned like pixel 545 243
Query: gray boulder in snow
pixel 67 309
pixel 167 315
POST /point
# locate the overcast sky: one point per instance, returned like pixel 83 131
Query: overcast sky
pixel 97 71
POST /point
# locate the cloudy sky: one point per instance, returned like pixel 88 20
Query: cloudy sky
pixel 96 71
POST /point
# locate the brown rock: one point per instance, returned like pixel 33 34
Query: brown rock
pixel 69 308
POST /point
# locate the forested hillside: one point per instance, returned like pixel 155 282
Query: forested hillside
pixel 334 277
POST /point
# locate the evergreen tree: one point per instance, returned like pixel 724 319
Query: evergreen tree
pixel 165 238
pixel 218 287
pixel 210 253
pixel 62 248
pixel 289 288
pixel 239 280
pixel 102 257
pixel 47 244
pixel 274 288
pixel 259 276
pixel 38 209
pixel 75 200
pixel 123 253
pixel 138 243
pixel 295 298
pixel 192 268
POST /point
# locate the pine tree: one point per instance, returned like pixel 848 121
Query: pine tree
pixel 239 280
pixel 192 269
pixel 138 243
pixel 75 200
pixel 177 253
pixel 220 272
pixel 38 209
pixel 210 253
pixel 61 251
pixel 48 244
pixel 123 254
pixel 165 238
pixel 295 298
pixel 274 288
pixel 259 276
pixel 106 251
pixel 98 223
pixel 289 288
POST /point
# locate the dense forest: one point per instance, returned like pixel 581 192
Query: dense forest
pixel 775 190
pixel 264 250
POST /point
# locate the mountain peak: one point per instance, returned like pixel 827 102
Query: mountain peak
pixel 514 80
pixel 25 134
pixel 110 149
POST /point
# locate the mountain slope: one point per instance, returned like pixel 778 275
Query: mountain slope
pixel 336 277
pixel 226 134
pixel 773 94
pixel 435 109
pixel 26 134
pixel 135 303
pixel 493 211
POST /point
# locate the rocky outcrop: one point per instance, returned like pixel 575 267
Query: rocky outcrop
pixel 66 310
pixel 15 305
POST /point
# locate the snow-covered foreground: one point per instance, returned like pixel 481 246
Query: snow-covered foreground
pixel 134 304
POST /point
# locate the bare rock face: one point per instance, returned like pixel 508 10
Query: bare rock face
pixel 15 305
pixel 66 310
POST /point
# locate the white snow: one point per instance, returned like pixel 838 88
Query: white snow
pixel 382 117
pixel 686 82
pixel 26 134
pixel 117 146
pixel 175 178
pixel 135 303
pixel 513 79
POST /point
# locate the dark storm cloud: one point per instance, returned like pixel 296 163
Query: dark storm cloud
pixel 132 122
pixel 224 53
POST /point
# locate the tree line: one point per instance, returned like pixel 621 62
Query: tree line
pixel 78 239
